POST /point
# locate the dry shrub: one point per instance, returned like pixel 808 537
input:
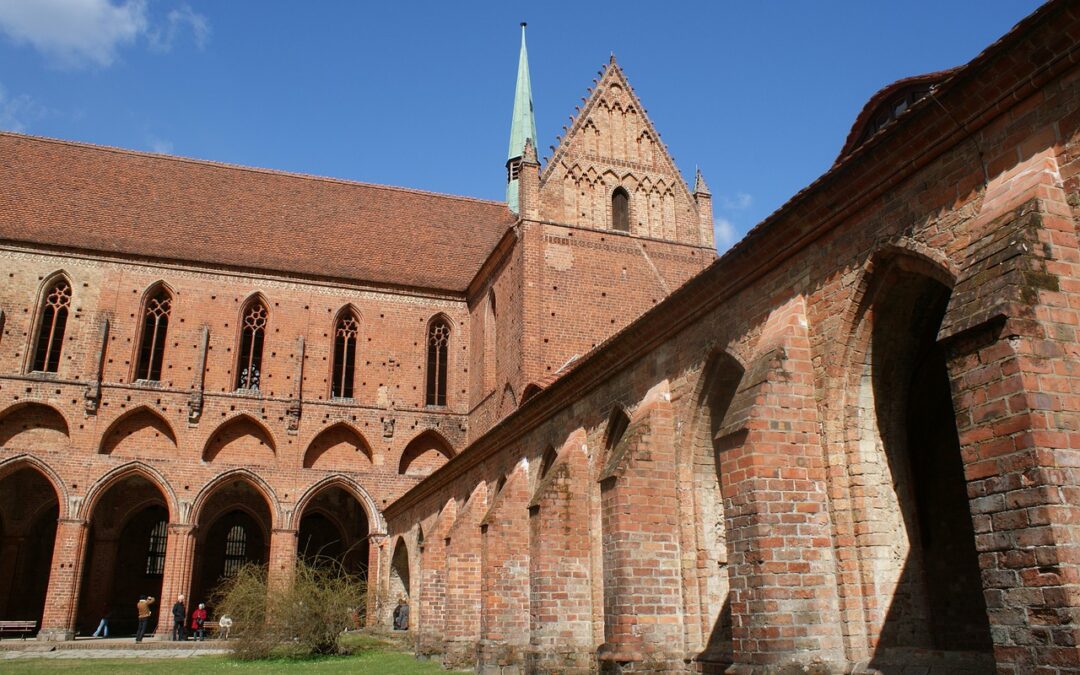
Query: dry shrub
pixel 303 618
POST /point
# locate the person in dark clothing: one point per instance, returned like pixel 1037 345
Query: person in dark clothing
pixel 179 615
pixel 143 607
pixel 401 615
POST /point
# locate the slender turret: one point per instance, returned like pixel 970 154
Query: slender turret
pixel 522 126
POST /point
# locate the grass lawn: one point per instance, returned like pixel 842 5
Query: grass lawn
pixel 377 660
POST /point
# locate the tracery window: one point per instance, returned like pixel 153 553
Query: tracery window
pixel 50 338
pixel 154 332
pixel 155 553
pixel 253 331
pixel 346 332
pixel 620 210
pixel 438 348
pixel 235 550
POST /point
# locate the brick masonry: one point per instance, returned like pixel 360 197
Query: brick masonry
pixel 849 445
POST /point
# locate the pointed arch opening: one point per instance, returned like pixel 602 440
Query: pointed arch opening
pixel 904 417
pixel 125 550
pixel 346 341
pixel 400 586
pixel 141 432
pixel 242 440
pixel 333 530
pixel 33 426
pixel 424 454
pixel 29 511
pixel 254 319
pixel 618 423
pixel 53 314
pixel 719 384
pixel 338 448
pixel 438 352
pixel 547 461
pixel 233 526
pixel 153 335
pixel 620 210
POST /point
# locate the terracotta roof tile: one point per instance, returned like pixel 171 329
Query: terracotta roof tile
pixel 86 197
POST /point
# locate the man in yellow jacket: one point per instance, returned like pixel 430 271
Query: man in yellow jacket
pixel 144 615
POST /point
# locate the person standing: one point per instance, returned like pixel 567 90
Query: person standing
pixel 198 620
pixel 143 607
pixel 179 615
pixel 103 627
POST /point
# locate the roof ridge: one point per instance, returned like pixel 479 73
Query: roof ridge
pixel 241 167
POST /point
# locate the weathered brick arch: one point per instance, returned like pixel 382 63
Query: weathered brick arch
pixel 253 479
pixel 24 461
pixel 377 525
pixel 50 414
pixel 210 452
pixel 422 446
pixel 313 452
pixel 147 410
pixel 101 487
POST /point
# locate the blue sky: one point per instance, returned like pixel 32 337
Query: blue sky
pixel 759 94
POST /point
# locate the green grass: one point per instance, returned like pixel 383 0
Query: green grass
pixel 371 656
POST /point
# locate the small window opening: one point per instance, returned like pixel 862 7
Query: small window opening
pixel 54 314
pixel 620 210
pixel 235 550
pixel 154 333
pixel 345 337
pixel 438 349
pixel 155 553
pixel 249 365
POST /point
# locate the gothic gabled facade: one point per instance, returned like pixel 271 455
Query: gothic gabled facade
pixel 574 439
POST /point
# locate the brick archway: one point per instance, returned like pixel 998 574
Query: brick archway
pixel 29 509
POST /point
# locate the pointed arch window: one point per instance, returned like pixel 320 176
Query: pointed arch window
pixel 155 553
pixel 154 333
pixel 253 331
pixel 620 210
pixel 235 550
pixel 438 349
pixel 50 338
pixel 346 332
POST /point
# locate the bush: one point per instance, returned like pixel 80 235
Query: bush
pixel 301 619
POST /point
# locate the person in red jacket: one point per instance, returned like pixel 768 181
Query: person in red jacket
pixel 198 619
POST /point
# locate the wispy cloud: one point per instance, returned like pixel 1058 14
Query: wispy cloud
pixel 178 21
pixel 725 233
pixel 740 201
pixel 18 111
pixel 161 146
pixel 78 33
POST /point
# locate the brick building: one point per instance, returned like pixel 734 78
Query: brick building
pixel 570 435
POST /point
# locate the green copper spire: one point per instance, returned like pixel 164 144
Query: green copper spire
pixel 522 126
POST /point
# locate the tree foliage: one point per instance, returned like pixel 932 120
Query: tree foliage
pixel 302 618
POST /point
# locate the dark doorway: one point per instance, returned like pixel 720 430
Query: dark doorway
pixel 28 514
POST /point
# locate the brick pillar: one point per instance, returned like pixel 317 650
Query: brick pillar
pixel 62 598
pixel 504 550
pixel 1013 365
pixel 784 600
pixel 179 561
pixel 560 592
pixel 431 608
pixel 463 582
pixel 282 564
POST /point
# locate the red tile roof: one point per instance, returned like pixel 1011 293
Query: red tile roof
pixel 93 198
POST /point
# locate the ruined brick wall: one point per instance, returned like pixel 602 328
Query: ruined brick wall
pixel 879 383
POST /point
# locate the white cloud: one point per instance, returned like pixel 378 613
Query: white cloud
pixel 17 111
pixel 162 39
pixel 739 202
pixel 725 233
pixel 74 33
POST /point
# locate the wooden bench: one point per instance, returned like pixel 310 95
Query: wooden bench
pixel 212 627
pixel 23 627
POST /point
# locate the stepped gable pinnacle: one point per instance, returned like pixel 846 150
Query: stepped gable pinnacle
pixel 700 188
pixel 610 74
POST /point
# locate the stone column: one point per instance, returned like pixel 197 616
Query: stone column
pixel 377 595
pixel 62 598
pixel 179 561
